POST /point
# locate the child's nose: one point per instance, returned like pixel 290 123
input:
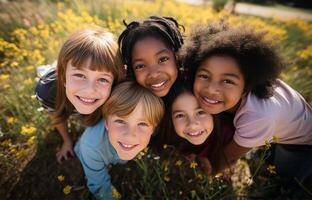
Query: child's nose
pixel 154 71
pixel 91 86
pixel 192 121
pixel 130 132
pixel 213 87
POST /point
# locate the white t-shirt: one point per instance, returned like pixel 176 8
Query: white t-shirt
pixel 285 115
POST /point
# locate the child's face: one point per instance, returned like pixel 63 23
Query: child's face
pixel 154 65
pixel 190 120
pixel 219 84
pixel 129 135
pixel 87 90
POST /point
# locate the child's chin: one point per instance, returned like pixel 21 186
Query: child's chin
pixel 196 142
pixel 126 157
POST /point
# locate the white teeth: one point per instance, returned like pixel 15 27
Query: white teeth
pixel 158 84
pixel 126 145
pixel 86 100
pixel 194 133
pixel 211 101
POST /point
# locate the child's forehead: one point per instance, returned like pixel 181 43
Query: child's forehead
pixel 153 40
pixel 88 64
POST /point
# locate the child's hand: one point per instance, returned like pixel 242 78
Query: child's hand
pixel 204 164
pixel 65 151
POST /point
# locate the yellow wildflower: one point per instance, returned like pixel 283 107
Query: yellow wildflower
pixel 167 178
pixel 10 120
pixel 193 164
pixel 6 143
pixel 4 77
pixel 30 68
pixel 14 64
pixel 145 149
pixel 267 144
pixel 199 176
pixel 178 163
pixel 139 156
pixel 67 189
pixel 271 169
pixel 20 153
pixel 60 178
pixel 13 150
pixel 274 139
pixel 28 81
pixel 116 194
pixel 31 140
pixel 28 130
pixel 165 146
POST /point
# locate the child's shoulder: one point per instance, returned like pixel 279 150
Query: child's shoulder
pixel 283 100
pixel 94 135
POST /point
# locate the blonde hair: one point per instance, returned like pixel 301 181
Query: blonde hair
pixel 127 95
pixel 94 44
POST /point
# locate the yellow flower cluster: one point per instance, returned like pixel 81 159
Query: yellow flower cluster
pixel 28 130
pixel 271 169
pixel 306 53
pixel 193 165
pixel 4 77
pixel 116 194
pixel 67 189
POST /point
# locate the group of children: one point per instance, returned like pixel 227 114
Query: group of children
pixel 220 90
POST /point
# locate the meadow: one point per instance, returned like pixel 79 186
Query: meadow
pixel 31 34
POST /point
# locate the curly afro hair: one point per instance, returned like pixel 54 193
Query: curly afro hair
pixel 257 58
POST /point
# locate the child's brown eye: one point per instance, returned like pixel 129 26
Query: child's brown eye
pixel 143 124
pixel 138 67
pixel 119 121
pixel 201 112
pixel 80 76
pixel 179 116
pixel 203 76
pixel 163 59
pixel 228 82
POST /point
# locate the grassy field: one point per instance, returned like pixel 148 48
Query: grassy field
pixel 31 34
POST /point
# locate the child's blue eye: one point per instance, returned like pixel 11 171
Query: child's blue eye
pixel 103 80
pixel 163 59
pixel 138 67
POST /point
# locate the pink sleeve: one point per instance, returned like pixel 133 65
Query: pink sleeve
pixel 253 128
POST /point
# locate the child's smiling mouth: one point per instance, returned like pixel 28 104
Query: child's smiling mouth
pixel 127 147
pixel 194 133
pixel 210 101
pixel 160 85
pixel 86 101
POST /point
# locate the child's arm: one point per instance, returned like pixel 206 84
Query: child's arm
pixel 232 152
pixel 98 179
pixel 67 146
pixel 46 94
